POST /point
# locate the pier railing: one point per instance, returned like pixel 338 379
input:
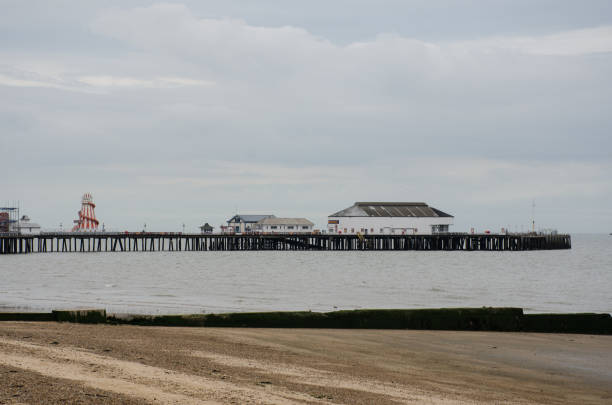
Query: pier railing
pixel 153 242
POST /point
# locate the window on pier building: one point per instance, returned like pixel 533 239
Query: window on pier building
pixel 273 227
pixel 439 228
pixel 305 227
pixel 290 227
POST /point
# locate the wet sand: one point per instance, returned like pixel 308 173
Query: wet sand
pixel 55 363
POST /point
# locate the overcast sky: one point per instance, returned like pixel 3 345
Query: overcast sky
pixel 188 112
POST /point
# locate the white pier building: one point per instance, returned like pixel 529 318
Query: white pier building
pixel 389 218
pixel 284 225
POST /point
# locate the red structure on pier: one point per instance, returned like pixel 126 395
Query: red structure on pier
pixel 87 218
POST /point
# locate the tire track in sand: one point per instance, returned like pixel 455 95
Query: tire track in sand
pixel 153 384
pixel 323 378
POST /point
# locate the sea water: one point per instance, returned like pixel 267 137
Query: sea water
pixel 576 280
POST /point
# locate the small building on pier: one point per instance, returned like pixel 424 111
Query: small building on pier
pixel 244 223
pixel 284 225
pixel 25 227
pixel 206 228
pixel 389 218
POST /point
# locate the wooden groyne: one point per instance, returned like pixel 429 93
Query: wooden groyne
pixel 475 319
pixel 154 242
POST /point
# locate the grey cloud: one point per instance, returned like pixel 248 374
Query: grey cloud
pixel 198 113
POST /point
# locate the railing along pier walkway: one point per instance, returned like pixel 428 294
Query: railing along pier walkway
pixel 154 242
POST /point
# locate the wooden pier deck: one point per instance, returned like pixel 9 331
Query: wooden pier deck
pixel 154 242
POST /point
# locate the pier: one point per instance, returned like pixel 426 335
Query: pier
pixel 168 242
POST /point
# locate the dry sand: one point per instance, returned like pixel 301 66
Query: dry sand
pixel 70 363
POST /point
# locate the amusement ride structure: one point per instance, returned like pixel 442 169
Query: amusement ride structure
pixel 87 218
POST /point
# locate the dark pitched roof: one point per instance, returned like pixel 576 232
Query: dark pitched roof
pixel 248 218
pixel 390 209
pixel 441 213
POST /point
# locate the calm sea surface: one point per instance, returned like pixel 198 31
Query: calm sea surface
pixel 576 280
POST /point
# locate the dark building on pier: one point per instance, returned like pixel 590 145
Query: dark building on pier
pixel 244 223
pixel 206 228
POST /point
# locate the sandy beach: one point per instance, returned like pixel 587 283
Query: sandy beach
pixel 55 363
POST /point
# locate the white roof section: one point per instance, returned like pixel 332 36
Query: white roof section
pixel 24 222
pixel 286 221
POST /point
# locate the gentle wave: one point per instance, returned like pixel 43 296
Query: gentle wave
pixel 576 280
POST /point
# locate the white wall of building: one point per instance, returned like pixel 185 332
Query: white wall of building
pixel 268 228
pixel 242 227
pixel 25 227
pixel 386 225
pixel 285 228
pixel 29 229
pixel 237 227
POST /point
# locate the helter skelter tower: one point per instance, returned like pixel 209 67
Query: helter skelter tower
pixel 87 218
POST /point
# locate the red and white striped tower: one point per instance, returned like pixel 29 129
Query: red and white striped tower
pixel 87 218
